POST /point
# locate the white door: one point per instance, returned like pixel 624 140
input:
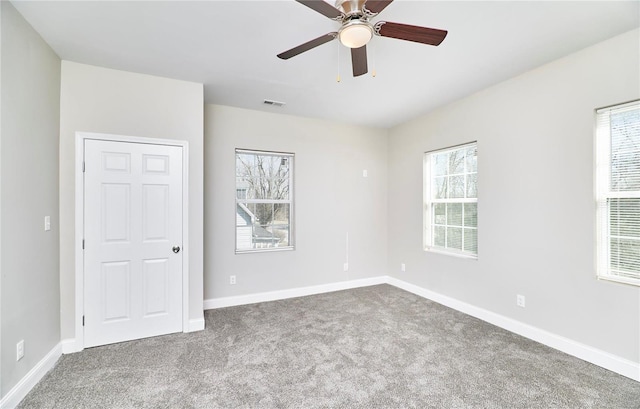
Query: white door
pixel 132 240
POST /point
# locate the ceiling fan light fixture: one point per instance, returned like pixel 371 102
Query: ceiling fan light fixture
pixel 355 34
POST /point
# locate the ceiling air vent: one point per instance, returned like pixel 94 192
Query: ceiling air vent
pixel 273 103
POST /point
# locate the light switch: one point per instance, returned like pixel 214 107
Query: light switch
pixel 365 173
pixel 47 223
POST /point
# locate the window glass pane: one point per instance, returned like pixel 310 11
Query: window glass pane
pixel 263 176
pixel 440 164
pixel 456 161
pixel 471 214
pixel 440 188
pixel 454 214
pixel 252 212
pixel 264 213
pixel 456 186
pixel 625 150
pixel 241 190
pixel 280 224
pixel 262 228
pixel 625 170
pixel 624 257
pixel 472 159
pixel 625 130
pixel 454 238
pixel 471 240
pixel 244 227
pixel 440 213
pixel 472 185
pixel 624 217
pixel 439 236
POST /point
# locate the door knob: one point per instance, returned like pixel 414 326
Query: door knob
pixel 176 249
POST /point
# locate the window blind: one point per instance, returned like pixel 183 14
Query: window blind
pixel 618 192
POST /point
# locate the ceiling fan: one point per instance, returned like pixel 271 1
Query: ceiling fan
pixel 356 30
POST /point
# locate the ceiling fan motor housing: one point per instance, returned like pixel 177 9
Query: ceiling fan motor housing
pixel 351 7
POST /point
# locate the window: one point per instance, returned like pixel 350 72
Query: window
pixel 451 200
pixel 618 192
pixel 264 201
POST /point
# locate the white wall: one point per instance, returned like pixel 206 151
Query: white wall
pixel 536 198
pixel 95 99
pixel 331 199
pixel 30 302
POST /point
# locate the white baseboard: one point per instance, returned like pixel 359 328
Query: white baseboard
pixel 587 353
pixel 18 392
pixel 196 324
pixel 214 303
pixel 70 346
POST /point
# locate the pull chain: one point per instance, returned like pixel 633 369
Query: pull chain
pixel 338 76
pixel 373 59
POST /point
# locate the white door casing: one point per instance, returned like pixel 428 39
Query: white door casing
pixel 133 220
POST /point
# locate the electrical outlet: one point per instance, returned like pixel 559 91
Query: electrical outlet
pixel 345 267
pixel 403 267
pixel 232 280
pixel 365 173
pixel 520 300
pixel 20 350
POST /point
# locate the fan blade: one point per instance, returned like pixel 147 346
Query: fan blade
pixel 359 61
pixel 322 8
pixel 307 46
pixel 424 35
pixel 376 6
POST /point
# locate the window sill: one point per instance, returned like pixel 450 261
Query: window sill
pixel 267 250
pixel 621 280
pixel 437 250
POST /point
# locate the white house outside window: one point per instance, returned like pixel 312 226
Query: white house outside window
pixel 618 192
pixel 264 201
pixel 451 200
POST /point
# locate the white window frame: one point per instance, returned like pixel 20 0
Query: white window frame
pixel 604 193
pixel 290 201
pixel 429 202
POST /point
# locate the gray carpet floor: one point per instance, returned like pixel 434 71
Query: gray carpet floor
pixel 373 347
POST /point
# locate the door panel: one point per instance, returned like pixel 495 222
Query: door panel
pixel 116 218
pixel 155 205
pixel 116 284
pixel 133 218
pixel 156 283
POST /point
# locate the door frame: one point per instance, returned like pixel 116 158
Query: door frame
pixel 79 222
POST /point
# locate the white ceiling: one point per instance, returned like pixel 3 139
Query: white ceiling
pixel 231 47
